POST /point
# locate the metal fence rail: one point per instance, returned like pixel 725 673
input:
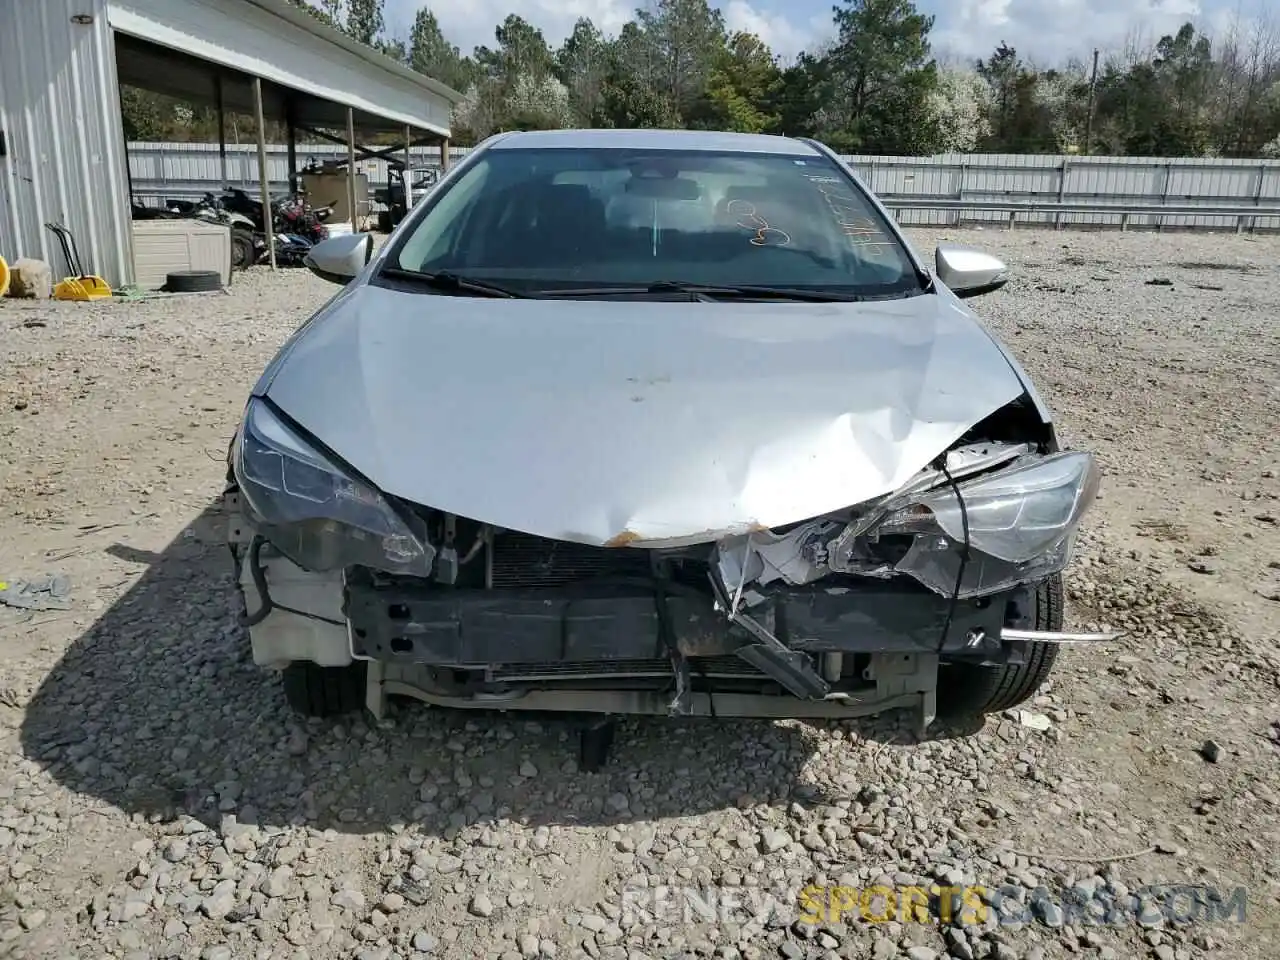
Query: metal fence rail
pixel 996 189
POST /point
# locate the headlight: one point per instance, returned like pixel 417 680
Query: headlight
pixel 313 512
pixel 1021 521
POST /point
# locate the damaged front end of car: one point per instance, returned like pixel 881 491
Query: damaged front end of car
pixel 846 614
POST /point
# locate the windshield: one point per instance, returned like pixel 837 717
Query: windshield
pixel 547 219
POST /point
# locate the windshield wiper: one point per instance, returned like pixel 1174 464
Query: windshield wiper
pixel 713 292
pixel 452 282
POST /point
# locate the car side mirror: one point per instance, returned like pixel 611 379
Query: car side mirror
pixel 968 272
pixel 340 259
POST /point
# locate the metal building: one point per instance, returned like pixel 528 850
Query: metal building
pixel 62 149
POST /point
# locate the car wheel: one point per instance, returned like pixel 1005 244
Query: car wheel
pixel 966 689
pixel 241 249
pixel 316 691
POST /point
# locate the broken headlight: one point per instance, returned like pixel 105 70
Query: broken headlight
pixel 1018 523
pixel 312 511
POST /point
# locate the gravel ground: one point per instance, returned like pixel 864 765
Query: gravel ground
pixel 158 800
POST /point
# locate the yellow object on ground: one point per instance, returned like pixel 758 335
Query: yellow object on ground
pixel 82 288
pixel 4 277
pixel 80 285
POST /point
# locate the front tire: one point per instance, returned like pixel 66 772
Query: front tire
pixel 316 691
pixel 242 252
pixel 967 689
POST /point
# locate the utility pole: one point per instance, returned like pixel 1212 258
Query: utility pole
pixel 1093 89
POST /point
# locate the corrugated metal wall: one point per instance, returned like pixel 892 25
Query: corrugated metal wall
pixel 1118 180
pixel 180 170
pixel 64 148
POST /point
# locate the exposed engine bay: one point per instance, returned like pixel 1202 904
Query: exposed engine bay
pixel 857 606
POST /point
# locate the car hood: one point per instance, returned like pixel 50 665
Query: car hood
pixel 631 422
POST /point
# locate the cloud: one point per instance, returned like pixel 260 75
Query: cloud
pixel 1050 31
pixel 786 34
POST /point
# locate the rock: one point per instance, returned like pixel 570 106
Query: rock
pixel 175 851
pixel 528 770
pixel 278 882
pixel 30 279
pixel 424 942
pixel 216 952
pixel 352 900
pixel 481 905
pixel 921 953
pixel 1211 751
pixel 32 919
pixel 774 840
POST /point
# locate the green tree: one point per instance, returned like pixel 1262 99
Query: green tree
pixel 522 51
pixel 1018 119
pixel 431 54
pixel 797 97
pixel 326 14
pixel 881 79
pixel 680 40
pixel 630 95
pixel 364 20
pixel 582 64
pixel 739 86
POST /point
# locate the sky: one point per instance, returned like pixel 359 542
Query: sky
pixel 1045 31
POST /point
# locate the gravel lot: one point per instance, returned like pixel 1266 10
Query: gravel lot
pixel 158 800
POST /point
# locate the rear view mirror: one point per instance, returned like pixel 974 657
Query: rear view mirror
pixel 340 259
pixel 664 188
pixel 968 272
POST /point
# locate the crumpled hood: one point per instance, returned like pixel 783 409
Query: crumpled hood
pixel 633 422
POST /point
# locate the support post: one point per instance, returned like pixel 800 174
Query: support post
pixel 444 156
pixel 408 180
pixel 351 168
pixel 263 183
pixel 222 132
pixel 291 135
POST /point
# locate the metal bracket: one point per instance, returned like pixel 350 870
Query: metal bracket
pixel 793 670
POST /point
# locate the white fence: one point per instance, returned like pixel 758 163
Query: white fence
pixel 1047 190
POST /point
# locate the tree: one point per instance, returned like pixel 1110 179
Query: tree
pixel 742 77
pixel 538 103
pixel 582 64
pixel 880 78
pixel 431 54
pixel 629 96
pixel 327 14
pixel 797 97
pixel 364 20
pixel 681 40
pixel 146 115
pixel 959 107
pixel 522 49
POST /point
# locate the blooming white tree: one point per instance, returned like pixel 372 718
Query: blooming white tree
pixel 1055 94
pixel 542 102
pixel 959 106
pixel 527 102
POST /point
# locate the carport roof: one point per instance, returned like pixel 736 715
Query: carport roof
pixel 180 47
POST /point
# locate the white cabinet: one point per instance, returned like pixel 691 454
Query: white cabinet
pixel 164 246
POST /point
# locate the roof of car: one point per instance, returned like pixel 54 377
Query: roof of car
pixel 653 140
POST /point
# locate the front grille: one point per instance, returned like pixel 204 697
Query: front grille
pixel 521 560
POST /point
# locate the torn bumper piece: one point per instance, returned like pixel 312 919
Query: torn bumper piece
pixel 408 622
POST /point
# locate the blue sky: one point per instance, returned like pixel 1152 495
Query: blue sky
pixel 1048 31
